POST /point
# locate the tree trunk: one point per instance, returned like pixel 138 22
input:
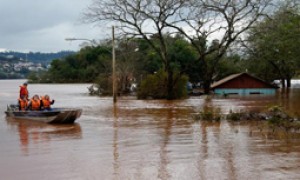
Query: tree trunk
pixel 206 86
pixel 282 83
pixel 288 82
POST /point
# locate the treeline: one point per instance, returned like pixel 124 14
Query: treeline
pixel 135 61
pixel 84 66
pixel 5 59
pixel 37 57
pixel 161 63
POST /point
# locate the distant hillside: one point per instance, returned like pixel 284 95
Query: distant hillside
pixel 36 57
pixel 10 59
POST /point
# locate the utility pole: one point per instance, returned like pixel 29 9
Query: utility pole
pixel 114 81
pixel 114 65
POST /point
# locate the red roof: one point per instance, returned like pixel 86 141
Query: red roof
pixel 235 76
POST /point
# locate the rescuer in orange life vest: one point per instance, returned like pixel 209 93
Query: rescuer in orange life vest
pixel 35 103
pixel 23 103
pixel 46 102
pixel 24 91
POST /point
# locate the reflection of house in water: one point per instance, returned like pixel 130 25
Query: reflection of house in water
pixel 36 132
pixel 243 84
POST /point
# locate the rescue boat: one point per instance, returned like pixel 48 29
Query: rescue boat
pixel 54 115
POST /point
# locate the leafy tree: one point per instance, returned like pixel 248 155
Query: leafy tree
pixel 33 77
pixel 182 58
pixel 196 20
pixel 230 65
pixel 153 86
pixel 274 46
pixel 3 75
pixel 84 66
pixel 133 16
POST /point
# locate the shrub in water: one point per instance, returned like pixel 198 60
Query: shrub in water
pixel 234 116
pixel 104 84
pixel 209 114
pixel 155 86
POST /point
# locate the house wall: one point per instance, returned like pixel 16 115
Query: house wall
pixel 245 82
pixel 245 91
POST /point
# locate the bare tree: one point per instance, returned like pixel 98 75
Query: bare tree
pixel 220 22
pixel 141 18
pixel 200 21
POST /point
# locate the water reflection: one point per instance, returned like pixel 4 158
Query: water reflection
pixel 116 163
pixel 32 133
pixel 151 139
pixel 163 134
pixel 163 153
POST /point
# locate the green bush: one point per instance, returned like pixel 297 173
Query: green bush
pixel 234 116
pixel 104 84
pixel 155 86
pixel 209 114
pixel 180 89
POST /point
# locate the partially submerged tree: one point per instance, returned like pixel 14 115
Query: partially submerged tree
pixel 142 18
pixel 221 23
pixel 182 58
pixel 128 56
pixel 274 46
pixel 200 21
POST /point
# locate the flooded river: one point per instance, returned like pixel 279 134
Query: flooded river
pixel 152 139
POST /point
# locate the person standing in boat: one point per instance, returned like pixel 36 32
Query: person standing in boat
pixel 35 103
pixel 24 91
pixel 46 102
pixel 23 103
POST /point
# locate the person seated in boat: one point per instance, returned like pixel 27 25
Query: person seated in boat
pixel 23 103
pixel 46 102
pixel 35 103
pixel 24 91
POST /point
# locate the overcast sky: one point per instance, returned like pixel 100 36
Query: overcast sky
pixel 43 25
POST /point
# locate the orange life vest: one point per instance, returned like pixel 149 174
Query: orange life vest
pixel 23 104
pixel 35 104
pixel 23 91
pixel 46 102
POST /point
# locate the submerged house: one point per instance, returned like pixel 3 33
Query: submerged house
pixel 243 84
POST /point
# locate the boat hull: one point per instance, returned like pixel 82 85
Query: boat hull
pixel 55 115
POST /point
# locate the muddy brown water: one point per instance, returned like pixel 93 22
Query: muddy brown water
pixel 145 139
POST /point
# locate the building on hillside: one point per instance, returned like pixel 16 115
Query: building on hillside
pixel 243 84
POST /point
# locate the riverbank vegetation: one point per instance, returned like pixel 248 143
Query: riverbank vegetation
pixel 275 117
pixel 252 37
